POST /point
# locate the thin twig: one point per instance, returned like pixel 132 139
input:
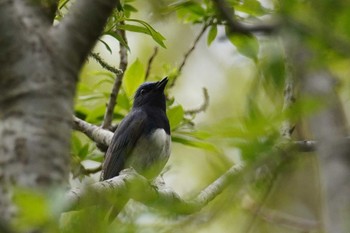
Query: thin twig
pixel 123 63
pixel 203 107
pixel 150 61
pixel 188 53
pixel 236 27
pixel 104 64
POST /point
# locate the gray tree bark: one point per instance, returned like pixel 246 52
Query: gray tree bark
pixel 329 127
pixel 39 66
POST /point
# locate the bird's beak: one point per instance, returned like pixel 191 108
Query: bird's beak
pixel 161 84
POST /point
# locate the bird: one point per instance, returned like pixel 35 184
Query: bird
pixel 142 139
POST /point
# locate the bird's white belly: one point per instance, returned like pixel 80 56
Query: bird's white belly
pixel 150 154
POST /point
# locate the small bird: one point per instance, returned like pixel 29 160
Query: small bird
pixel 142 139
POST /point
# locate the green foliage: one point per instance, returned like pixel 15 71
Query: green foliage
pixel 247 123
pixel 213 31
pixel 175 116
pixel 246 45
pixel 133 78
pixel 146 29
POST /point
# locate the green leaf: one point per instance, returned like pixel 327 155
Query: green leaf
pixel 75 144
pixel 123 101
pixel 133 28
pixel 251 7
pixel 133 78
pixel 188 141
pixel 175 116
pixel 33 208
pixel 246 45
pixel 83 152
pixel 189 11
pixel 96 114
pixel 106 45
pixel 62 4
pixel 129 8
pixel 91 97
pixel 119 38
pixel 157 37
pixel 212 34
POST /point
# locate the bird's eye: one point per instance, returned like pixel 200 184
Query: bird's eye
pixel 143 91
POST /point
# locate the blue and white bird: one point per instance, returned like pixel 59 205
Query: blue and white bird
pixel 142 140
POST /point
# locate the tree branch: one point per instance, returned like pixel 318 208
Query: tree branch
pixel 123 63
pixel 203 107
pixel 104 64
pixel 94 132
pixel 236 27
pixel 160 196
pixel 150 61
pixel 76 34
pixel 329 126
pixel 289 99
pixel 187 54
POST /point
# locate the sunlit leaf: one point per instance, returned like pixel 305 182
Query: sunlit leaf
pixel 189 11
pixel 133 78
pixel 175 116
pixel 246 45
pixel 252 7
pixel 157 37
pixel 213 31
pixel 96 114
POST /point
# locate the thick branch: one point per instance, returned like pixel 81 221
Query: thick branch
pixel 151 195
pixel 76 34
pixel 123 63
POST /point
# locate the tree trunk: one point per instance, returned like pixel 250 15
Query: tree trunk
pixel 39 66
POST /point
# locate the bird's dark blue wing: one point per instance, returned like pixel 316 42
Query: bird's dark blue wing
pixel 124 140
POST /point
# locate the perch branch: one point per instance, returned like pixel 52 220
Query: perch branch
pixel 151 195
pixel 123 63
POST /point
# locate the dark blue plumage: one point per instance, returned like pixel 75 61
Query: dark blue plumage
pixel 142 139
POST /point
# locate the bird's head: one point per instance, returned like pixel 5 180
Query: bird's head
pixel 151 94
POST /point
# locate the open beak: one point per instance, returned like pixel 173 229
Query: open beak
pixel 161 84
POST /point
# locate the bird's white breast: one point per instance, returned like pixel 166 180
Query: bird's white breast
pixel 151 153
